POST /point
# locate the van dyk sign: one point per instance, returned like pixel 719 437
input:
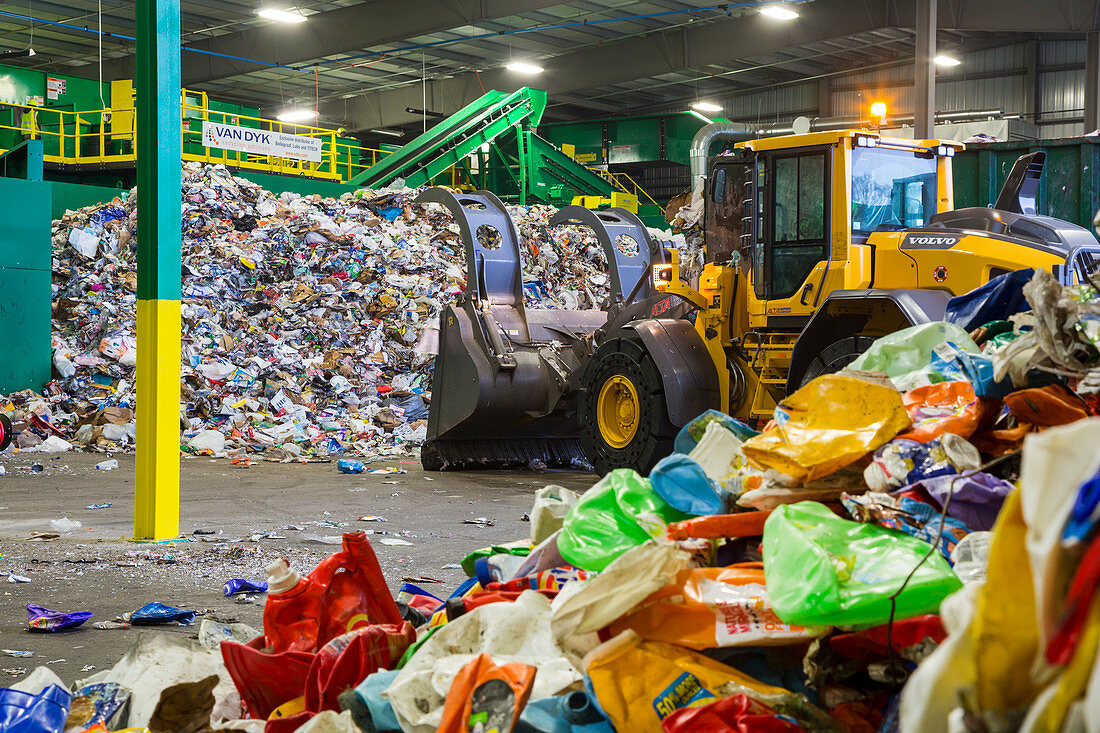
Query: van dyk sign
pixel 261 142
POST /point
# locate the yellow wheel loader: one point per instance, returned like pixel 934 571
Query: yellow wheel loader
pixel 816 244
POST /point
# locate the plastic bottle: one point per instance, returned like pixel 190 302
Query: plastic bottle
pixel 350 465
pixel 358 596
pixel 570 713
pixel 292 614
pixel 107 465
pixel 345 591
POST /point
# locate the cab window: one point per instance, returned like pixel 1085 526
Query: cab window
pixel 798 236
pixel 891 189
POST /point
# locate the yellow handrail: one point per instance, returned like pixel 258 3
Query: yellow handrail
pixel 107 136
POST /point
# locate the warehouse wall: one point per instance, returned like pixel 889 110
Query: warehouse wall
pixel 991 78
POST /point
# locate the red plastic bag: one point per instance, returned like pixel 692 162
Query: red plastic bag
pixel 344 592
pixel 737 714
pixel 945 407
pixel 265 681
pixel 870 644
pixel 483 693
pixel 347 660
pixel 342 664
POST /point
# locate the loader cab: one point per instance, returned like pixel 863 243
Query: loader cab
pixel 795 213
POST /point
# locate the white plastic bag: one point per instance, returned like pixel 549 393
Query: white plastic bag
pixel 509 632
pixel 589 605
pixel 552 503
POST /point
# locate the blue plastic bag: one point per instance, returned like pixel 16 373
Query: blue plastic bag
pixel 998 299
pixel 234 586
pixel 690 435
pixel 350 465
pixel 44 619
pixel 158 613
pixel 22 712
pixel 683 484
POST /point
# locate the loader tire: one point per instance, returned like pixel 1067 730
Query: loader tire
pixel 836 356
pixel 624 417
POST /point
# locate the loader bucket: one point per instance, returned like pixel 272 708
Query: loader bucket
pixel 506 376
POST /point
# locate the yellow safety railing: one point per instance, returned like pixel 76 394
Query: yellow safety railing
pixel 626 184
pixel 107 136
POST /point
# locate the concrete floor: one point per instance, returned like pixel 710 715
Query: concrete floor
pixel 95 568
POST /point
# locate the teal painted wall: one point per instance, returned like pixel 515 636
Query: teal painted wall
pixel 25 292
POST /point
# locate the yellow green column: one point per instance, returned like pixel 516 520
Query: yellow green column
pixel 157 479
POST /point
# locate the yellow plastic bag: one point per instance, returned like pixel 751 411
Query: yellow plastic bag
pixel 1005 633
pixel 830 423
pixel 640 683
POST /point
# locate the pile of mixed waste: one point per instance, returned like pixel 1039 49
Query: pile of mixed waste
pixel 308 323
pixel 911 544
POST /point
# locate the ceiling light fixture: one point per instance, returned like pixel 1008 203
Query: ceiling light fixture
pixel 291 15
pixel 943 60
pixel 296 115
pixel 701 116
pixel 707 107
pixel 522 67
pixel 20 54
pixel 778 11
pixel 391 133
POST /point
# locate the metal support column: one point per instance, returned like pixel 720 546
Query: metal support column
pixel 1092 81
pixel 157 479
pixel 924 72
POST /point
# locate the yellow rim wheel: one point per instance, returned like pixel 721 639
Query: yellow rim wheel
pixel 617 411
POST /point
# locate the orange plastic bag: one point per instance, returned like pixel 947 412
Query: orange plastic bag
pixel 719 526
pixel 830 423
pixel 487 697
pixel 714 607
pixel 1046 406
pixel 945 407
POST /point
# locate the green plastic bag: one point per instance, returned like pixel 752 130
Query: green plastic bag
pixel 910 349
pixel 621 511
pixel 822 570
pixel 520 550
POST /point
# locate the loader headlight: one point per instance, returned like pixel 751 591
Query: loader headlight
pixel 662 276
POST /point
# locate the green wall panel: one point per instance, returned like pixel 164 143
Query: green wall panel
pixel 25 291
pixel 1069 188
pixel 78 195
pixel 24 327
pixel 305 186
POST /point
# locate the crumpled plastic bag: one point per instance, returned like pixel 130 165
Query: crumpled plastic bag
pixel 690 435
pixel 833 421
pixel 485 696
pixel 683 483
pixel 824 570
pixel 552 503
pixel 157 661
pixel 704 608
pixel 996 300
pixel 1059 336
pixel 619 512
pixel 946 407
pixel 911 349
pixel 589 605
pixel 509 632
pixel 640 683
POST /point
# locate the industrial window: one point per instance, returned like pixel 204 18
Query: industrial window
pixel 892 189
pixel 798 241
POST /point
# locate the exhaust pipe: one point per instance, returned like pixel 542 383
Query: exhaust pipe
pixel 707 135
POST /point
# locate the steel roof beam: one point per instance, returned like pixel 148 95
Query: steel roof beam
pixel 344 30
